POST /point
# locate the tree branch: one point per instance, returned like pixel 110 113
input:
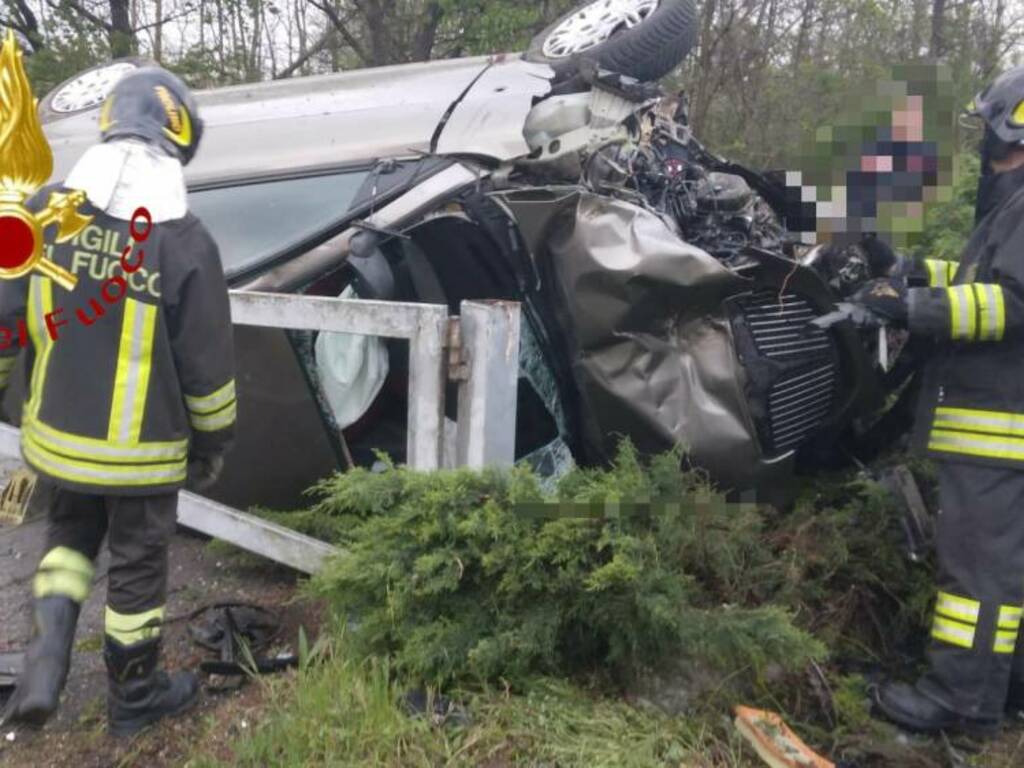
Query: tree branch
pixel 165 20
pixel 83 12
pixel 318 46
pixel 342 29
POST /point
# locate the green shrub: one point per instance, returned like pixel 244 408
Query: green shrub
pixel 465 576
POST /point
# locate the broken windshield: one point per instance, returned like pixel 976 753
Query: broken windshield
pixel 252 223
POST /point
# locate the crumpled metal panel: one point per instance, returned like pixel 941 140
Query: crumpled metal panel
pixel 491 118
pixel 653 355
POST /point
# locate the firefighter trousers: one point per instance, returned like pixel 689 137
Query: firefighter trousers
pixel 139 530
pixel 974 656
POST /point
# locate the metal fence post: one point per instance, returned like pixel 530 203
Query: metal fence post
pixel 424 325
pixel 487 396
pixel 427 368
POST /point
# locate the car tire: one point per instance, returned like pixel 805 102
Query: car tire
pixel 647 51
pixel 93 85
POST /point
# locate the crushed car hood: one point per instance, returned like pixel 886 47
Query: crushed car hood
pixel 652 356
pixel 463 106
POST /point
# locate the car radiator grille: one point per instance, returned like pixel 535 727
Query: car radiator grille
pixel 801 395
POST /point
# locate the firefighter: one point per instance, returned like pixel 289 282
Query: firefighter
pixel 130 394
pixel 971 422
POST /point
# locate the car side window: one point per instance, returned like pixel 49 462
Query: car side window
pixel 254 222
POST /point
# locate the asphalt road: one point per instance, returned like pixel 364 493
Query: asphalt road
pixel 198 576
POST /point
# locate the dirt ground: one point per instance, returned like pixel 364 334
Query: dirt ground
pixel 199 576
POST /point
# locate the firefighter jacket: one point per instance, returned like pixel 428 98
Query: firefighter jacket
pixel 132 371
pixel 972 397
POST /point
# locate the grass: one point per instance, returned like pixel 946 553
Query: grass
pixel 834 563
pixel 345 712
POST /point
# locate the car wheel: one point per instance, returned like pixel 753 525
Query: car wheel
pixel 87 89
pixel 645 39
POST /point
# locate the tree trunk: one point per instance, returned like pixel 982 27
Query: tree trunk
pixel 158 32
pixel 382 50
pixel 423 40
pixel 28 25
pixel 804 32
pixel 702 93
pixel 938 44
pixel 122 37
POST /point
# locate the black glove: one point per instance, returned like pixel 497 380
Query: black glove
pixel 203 471
pixel 883 260
pixel 881 256
pixel 885 297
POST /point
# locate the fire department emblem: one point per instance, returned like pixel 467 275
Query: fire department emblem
pixel 26 163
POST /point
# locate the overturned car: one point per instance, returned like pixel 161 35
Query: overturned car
pixel 663 298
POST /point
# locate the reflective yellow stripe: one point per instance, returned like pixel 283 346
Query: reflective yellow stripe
pixel 953 632
pixel 1009 617
pixel 91 449
pixel 63 571
pixel 214 421
pixel 956 314
pixel 131 628
pixel 131 381
pixel 985 446
pixel 1000 312
pixel 212 402
pixel 40 304
pixel 951 267
pixel 1006 642
pixel 970 420
pixel 60 583
pixel 964 309
pixel 971 307
pixel 938 273
pixel 98 473
pixel 960 608
pixel 992 311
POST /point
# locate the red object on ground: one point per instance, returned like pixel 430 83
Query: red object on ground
pixel 17 243
pixel 774 742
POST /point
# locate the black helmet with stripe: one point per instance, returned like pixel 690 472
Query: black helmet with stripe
pixel 154 105
pixel 1001 108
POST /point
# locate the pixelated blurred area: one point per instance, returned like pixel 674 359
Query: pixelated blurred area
pixel 878 168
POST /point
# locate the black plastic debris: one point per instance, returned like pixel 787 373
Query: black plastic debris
pixel 10 669
pixel 240 634
pixel 440 709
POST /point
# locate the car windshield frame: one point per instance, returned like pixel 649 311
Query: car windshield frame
pixel 360 207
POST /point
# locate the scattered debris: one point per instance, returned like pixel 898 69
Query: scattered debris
pixel 915 520
pixel 774 742
pixel 17 500
pixel 10 668
pixel 240 633
pixel 440 708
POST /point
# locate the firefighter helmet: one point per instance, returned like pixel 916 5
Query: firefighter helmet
pixel 1001 107
pixel 154 105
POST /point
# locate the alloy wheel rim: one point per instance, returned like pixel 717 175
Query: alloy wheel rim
pixel 89 88
pixel 594 24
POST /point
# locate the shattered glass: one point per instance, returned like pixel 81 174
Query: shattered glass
pixel 553 460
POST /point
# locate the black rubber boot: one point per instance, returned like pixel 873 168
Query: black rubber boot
pixel 47 661
pixel 910 709
pixel 140 694
pixel 1015 701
